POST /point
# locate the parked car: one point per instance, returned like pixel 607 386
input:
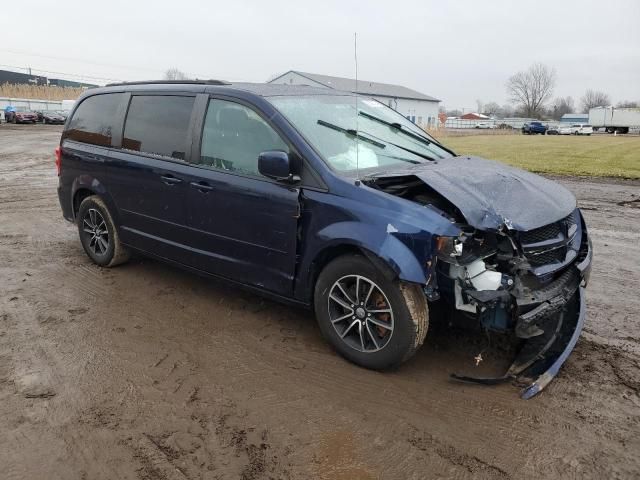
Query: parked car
pixel 581 129
pixel 293 193
pixel 52 118
pixel 559 129
pixel 485 125
pixel 532 128
pixel 20 115
pixel 63 113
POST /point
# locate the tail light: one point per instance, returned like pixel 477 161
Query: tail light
pixel 58 159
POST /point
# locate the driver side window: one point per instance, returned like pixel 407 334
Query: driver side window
pixel 234 135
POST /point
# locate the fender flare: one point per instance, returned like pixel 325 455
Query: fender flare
pixel 91 183
pixel 378 242
pixel 382 248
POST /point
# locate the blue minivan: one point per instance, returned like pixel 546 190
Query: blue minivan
pixel 332 201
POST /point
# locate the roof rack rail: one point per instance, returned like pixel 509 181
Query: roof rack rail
pixel 170 82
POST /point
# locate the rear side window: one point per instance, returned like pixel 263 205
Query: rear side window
pixel 95 119
pixel 158 125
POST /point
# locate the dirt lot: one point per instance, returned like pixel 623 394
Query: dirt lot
pixel 145 371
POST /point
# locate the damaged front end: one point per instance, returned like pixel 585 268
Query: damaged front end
pixel 509 279
pixel 529 283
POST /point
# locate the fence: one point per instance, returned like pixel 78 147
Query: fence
pixel 32 104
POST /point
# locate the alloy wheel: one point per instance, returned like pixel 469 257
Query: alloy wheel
pixel 95 228
pixel 360 313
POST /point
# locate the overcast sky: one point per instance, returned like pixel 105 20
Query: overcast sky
pixel 456 51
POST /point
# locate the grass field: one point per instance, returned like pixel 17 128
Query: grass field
pixel 597 155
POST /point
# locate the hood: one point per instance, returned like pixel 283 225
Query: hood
pixel 490 194
pixel 26 114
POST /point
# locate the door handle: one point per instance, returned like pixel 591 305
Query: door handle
pixel 170 179
pixel 202 186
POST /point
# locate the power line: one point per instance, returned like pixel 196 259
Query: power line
pixel 63 73
pixel 89 62
pixel 78 60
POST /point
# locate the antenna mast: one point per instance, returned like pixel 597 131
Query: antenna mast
pixel 355 94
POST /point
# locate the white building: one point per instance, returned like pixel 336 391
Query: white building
pixel 419 108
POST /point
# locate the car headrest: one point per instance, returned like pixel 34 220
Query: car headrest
pixel 230 118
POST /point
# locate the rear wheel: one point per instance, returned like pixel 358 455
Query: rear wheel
pixel 369 319
pixel 98 233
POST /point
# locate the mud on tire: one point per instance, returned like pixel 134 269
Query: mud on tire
pixel 98 234
pixel 378 332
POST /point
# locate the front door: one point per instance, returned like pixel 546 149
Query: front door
pixel 243 224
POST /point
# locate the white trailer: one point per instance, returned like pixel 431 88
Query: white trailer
pixel 613 119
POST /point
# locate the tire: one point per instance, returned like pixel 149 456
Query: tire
pixel 104 249
pixel 399 329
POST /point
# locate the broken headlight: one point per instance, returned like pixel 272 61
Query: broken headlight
pixel 448 248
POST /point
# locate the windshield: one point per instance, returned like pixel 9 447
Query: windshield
pixel 376 138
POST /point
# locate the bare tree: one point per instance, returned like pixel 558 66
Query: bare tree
pixel 480 105
pixel 506 111
pixel 453 112
pixel 627 104
pixel 594 98
pixel 561 106
pixel 174 74
pixel 532 88
pixel 491 109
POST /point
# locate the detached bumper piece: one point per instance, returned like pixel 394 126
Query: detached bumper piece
pixel 540 357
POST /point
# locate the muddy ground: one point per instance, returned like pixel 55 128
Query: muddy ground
pixel 148 372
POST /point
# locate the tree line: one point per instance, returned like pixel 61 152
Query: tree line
pixel 531 95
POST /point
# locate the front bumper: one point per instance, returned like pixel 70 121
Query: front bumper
pixel 561 316
pixel 544 378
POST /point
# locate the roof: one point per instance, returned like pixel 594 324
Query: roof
pixel 474 116
pixel 575 115
pixel 365 87
pixel 216 86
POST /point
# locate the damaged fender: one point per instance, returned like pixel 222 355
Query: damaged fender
pixel 380 242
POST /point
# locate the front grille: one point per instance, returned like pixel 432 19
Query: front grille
pixel 549 256
pixel 557 235
pixel 540 234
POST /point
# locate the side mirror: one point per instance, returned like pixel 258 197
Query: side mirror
pixel 277 165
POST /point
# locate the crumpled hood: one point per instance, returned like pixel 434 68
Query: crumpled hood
pixel 490 194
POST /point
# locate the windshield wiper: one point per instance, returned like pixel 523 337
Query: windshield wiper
pixel 409 133
pixel 417 154
pixel 397 126
pixel 351 132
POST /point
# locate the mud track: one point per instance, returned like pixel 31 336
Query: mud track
pixel 147 372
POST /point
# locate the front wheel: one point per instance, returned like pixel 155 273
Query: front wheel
pixel 371 320
pixel 98 233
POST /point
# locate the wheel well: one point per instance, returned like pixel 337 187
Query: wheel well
pixel 78 197
pixel 331 253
